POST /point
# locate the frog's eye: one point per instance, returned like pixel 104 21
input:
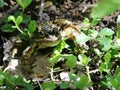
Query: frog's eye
pixel 56 30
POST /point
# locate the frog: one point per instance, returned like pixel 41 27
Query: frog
pixel 48 34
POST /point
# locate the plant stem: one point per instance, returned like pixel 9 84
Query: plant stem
pixel 20 30
pixel 88 72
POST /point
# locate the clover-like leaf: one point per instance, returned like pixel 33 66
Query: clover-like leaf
pixel 54 59
pixel 107 57
pixel 48 86
pixel 19 20
pixel 32 26
pixel 11 18
pixel 83 59
pixel 83 82
pixel 71 62
pixel 106 32
pixel 24 3
pixel 7 28
pixel 106 42
pixel 82 38
pixel 64 85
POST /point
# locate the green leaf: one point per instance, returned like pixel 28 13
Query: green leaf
pixel 11 18
pixel 93 33
pixel 19 20
pixel 10 81
pixel 106 32
pixel 107 57
pixel 32 26
pixel 84 82
pixel 58 49
pixel 48 86
pixel 73 77
pixel 7 28
pixel 28 86
pixel 118 27
pixel 83 59
pixel 19 80
pixel 102 67
pixel 2 78
pixel 117 70
pixel 20 2
pixel 114 83
pixel 95 21
pixel 54 59
pixel 24 3
pixel 118 31
pixel 64 85
pixel 26 19
pixel 118 77
pixel 82 38
pixel 105 7
pixel 97 51
pixel 2 3
pixel 106 42
pixel 71 62
pixel 86 22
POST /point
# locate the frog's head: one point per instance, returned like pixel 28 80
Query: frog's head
pixel 47 31
pixel 47 35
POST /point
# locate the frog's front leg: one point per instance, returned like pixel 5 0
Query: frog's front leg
pixel 28 51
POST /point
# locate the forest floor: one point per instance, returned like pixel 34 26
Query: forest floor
pixel 76 11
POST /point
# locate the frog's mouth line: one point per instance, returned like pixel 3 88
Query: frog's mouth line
pixel 50 38
pixel 48 42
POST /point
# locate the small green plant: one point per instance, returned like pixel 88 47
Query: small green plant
pixel 24 3
pixel 18 19
pixel 13 83
pixel 106 65
pixel 26 32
